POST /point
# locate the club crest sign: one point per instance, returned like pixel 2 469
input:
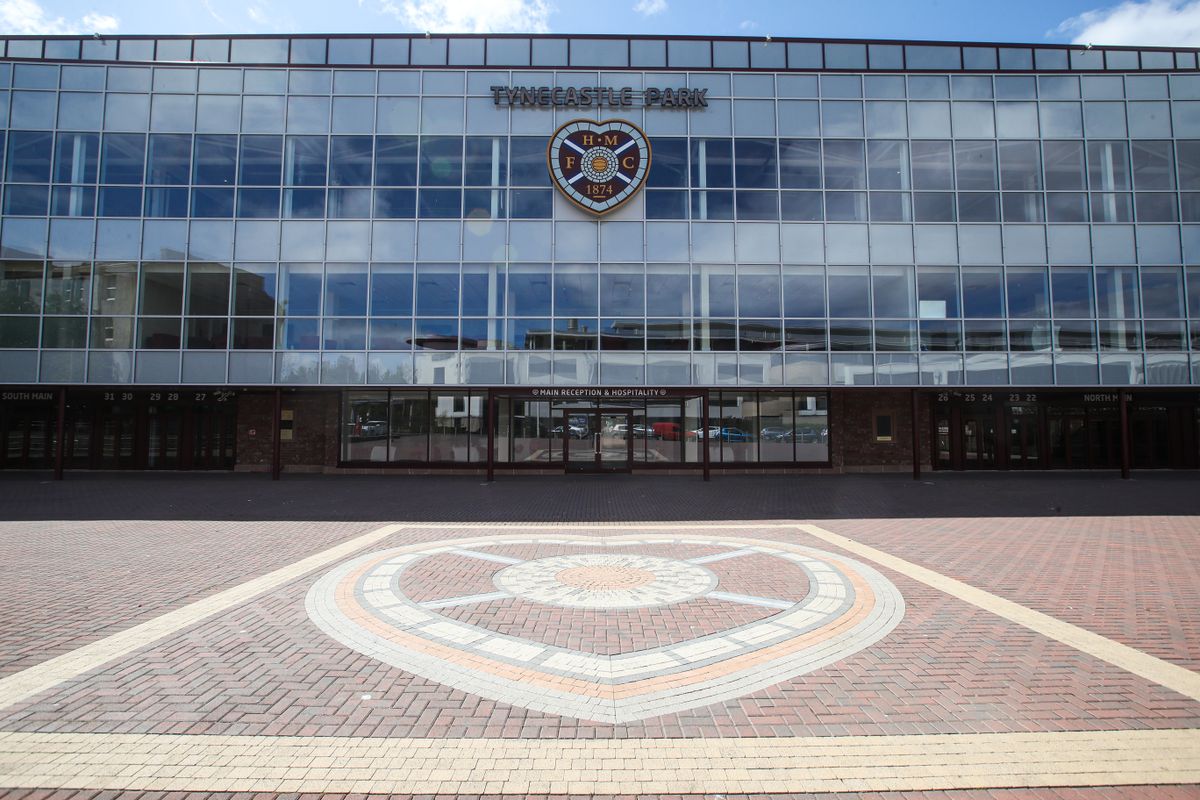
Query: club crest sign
pixel 598 166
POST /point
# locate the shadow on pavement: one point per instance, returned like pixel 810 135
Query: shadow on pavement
pixel 591 498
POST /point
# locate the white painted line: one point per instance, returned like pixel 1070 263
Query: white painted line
pixel 1127 658
pixel 40 677
pixel 496 557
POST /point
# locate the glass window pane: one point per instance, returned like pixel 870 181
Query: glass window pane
pixel 758 292
pixel 122 157
pixel 893 291
pixel 983 291
pixel 350 161
pixel 844 165
pixel 437 289
pixel 1072 290
pixel 527 160
pixel 799 163
pixel 887 164
pixel 261 161
pixel 441 160
pixel 299 289
pixel 169 160
pixel 529 289
pixel 396 161
pixel 1153 165
pixel 346 290
pixel 215 160
pixel 304 160
pixel 755 163
pixel 849 292
pixel 161 289
pixel 1064 165
pixel 668 290
pixel 712 163
pixel 1027 292
pixel 483 290
pixel 575 290
pixel 1020 165
pixel 1162 292
pixel 76 158
pixel 932 165
pixel 975 165
pixel 1108 166
pixel 937 289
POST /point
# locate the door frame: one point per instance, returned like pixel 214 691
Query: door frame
pixel 597 464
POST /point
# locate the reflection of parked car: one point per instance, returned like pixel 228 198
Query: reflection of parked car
pixel 373 427
pixel 812 435
pixel 642 432
pixel 735 435
pixel 773 433
pixel 574 431
pixel 666 430
pixel 727 434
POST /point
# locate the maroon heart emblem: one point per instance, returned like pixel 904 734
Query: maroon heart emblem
pixel 598 166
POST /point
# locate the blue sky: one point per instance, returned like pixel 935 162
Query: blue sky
pixel 1147 22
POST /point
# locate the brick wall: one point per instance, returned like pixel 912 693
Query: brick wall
pixel 314 439
pixel 852 430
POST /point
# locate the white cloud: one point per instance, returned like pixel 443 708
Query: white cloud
pixel 256 15
pixel 648 8
pixel 100 23
pixel 27 17
pixel 748 25
pixel 212 12
pixel 472 16
pixel 1164 23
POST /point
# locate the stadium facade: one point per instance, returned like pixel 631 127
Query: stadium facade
pixel 510 252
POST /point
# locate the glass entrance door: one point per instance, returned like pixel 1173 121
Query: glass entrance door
pixel 598 441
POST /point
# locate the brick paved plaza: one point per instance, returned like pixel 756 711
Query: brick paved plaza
pixel 967 636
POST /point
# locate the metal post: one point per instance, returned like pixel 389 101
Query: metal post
pixel 277 428
pixel 59 445
pixel 916 436
pixel 1125 454
pixel 704 436
pixel 491 436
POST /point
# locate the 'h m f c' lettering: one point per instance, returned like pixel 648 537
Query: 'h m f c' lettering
pixel 598 166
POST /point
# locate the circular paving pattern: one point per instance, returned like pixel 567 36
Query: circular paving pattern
pixel 848 606
pixel 608 581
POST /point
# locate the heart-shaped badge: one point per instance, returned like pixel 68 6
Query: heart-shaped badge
pixel 598 166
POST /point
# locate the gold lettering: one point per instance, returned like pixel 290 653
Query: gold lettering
pixel 588 140
pixel 570 162
pixel 628 161
pixel 610 139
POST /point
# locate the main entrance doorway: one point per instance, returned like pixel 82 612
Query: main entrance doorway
pixel 598 440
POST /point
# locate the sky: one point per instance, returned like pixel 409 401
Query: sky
pixel 1135 22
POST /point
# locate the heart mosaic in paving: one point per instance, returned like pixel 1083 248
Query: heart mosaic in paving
pixel 611 629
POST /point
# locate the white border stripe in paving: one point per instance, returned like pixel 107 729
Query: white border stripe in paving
pixel 748 600
pixel 722 556
pixel 133 762
pixel 48 674
pixel 465 600
pixel 1127 658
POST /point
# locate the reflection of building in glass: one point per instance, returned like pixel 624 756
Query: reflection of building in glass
pixel 1012 232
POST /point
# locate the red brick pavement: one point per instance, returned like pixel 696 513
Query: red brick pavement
pixel 265 669
pixel 1132 579
pixel 66 584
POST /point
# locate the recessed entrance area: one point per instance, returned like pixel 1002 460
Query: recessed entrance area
pixel 599 440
